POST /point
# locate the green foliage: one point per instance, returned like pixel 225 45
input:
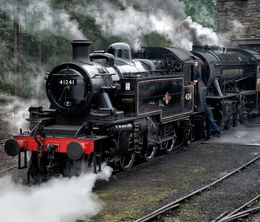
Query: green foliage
pixel 5 54
pixel 202 11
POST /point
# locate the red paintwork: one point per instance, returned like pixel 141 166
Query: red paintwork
pixel 29 143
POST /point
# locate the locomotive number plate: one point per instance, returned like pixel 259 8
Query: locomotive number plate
pixel 67 82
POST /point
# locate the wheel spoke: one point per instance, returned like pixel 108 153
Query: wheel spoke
pixel 127 160
pixel 169 145
pixel 150 152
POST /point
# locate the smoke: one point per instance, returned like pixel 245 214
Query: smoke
pixel 235 29
pixel 134 19
pixel 40 16
pixel 58 22
pixel 58 200
pixel 15 112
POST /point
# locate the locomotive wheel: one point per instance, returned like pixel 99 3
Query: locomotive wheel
pixel 169 145
pixel 149 152
pixel 127 160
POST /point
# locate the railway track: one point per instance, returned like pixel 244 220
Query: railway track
pixel 240 212
pixel 8 169
pixel 175 204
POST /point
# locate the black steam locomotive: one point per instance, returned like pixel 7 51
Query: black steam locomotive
pixel 107 106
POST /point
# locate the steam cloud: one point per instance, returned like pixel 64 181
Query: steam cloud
pixel 59 200
pixel 16 112
pixel 128 19
pixel 133 19
pixel 58 22
pixel 55 21
pixel 236 30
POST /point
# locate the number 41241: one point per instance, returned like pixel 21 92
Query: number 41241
pixel 67 82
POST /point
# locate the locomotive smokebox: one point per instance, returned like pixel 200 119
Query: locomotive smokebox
pixel 80 50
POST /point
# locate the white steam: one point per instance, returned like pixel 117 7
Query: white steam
pixel 133 20
pixel 236 30
pixel 58 22
pixel 129 19
pixel 38 16
pixel 59 200
pixel 16 112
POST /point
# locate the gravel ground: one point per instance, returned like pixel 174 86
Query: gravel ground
pixel 254 218
pixel 5 160
pixel 135 194
pixel 227 196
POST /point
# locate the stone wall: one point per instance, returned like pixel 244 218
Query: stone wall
pixel 242 19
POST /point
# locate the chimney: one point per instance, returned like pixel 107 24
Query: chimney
pixel 80 50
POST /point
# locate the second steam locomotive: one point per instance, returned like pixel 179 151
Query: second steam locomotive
pixel 109 106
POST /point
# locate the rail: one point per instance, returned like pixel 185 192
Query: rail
pixel 177 202
pixel 237 213
pixel 7 169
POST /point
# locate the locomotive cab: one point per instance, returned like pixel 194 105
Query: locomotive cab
pixel 177 63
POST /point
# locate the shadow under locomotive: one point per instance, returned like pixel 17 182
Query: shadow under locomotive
pixel 106 106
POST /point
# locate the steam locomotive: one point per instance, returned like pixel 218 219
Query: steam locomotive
pixel 108 106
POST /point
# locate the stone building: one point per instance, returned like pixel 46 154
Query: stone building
pixel 240 19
